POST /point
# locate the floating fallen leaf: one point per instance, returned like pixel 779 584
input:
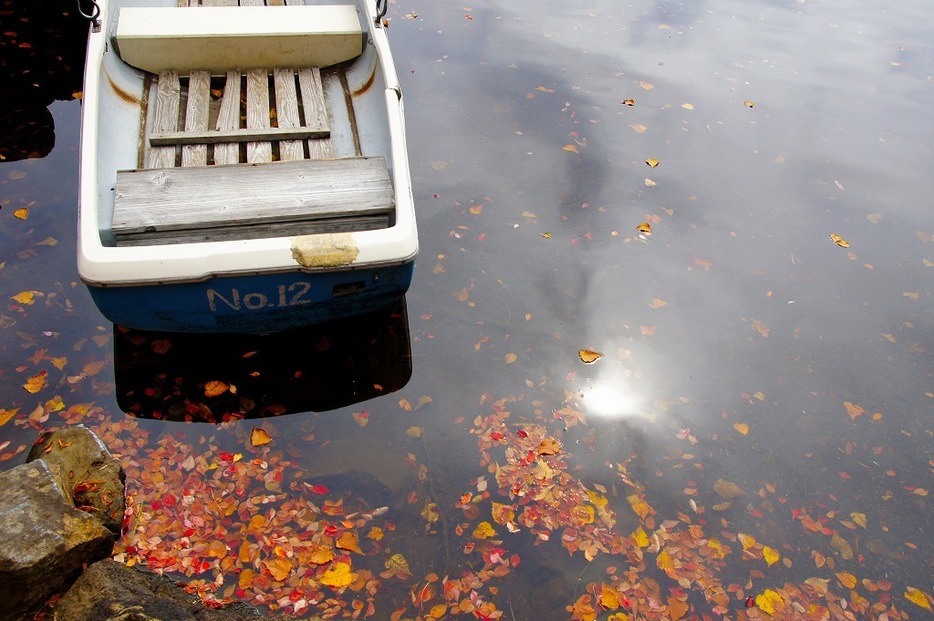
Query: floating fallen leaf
pixel 641 537
pixel 338 576
pixel 438 610
pixel 727 489
pixel 548 446
pixel 321 555
pixel 819 585
pixel 22 213
pixel 348 541
pixel 771 555
pixel 414 432
pixel 652 162
pixel 676 608
pixel 859 518
pixel 646 86
pixel 570 147
pixel 917 596
pixel 639 128
pixel 839 240
pixel 629 102
pixel 6 415
pixel 743 428
pixel 846 579
pixel 657 303
pixel 259 437
pixel 546 235
pixel 476 209
pixel 664 560
pixel 749 103
pixel 588 356
pixel 279 568
pixel 35 383
pixel 215 388
pixel 410 16
pixel 687 106
pixel 511 357
pixel 649 183
pixel 361 418
pixel 609 598
pixel 484 530
pixel 768 600
pixel 26 297
pixel 645 228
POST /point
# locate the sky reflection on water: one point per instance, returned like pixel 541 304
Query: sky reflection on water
pixel 733 336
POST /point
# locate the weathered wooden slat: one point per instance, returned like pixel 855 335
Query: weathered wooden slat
pixel 228 119
pixel 315 110
pixel 346 224
pixel 257 114
pixel 165 118
pixel 238 135
pixel 196 117
pixel 243 195
pixel 287 114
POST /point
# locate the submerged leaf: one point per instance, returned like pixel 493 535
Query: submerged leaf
pixel 727 489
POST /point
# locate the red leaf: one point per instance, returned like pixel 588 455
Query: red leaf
pixel 320 489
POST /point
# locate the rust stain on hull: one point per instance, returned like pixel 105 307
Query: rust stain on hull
pixel 133 100
pixel 366 86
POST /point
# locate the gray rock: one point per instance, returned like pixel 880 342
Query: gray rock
pixel 111 591
pixel 46 541
pixel 88 475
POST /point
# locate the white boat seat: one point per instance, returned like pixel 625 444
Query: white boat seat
pixel 242 201
pixel 219 38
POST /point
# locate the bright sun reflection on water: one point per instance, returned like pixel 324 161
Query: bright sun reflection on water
pixel 611 396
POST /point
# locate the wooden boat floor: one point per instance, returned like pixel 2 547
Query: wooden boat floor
pixel 244 155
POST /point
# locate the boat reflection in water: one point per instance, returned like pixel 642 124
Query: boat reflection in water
pixel 215 378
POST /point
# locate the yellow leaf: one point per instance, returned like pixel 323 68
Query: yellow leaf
pixel 55 404
pixel 35 383
pixel 259 437
pixel 748 541
pixel 338 576
pixel 664 561
pixel 437 611
pixel 511 357
pixel 853 410
pixel 59 363
pixel 641 538
pixel 476 209
pixel 215 388
pixel 609 598
pixel 839 240
pixel 749 103
pixel 414 432
pixel 570 147
pixel 618 616
pixel 652 162
pixel 687 106
pixel 859 518
pixel 26 297
pixel 376 533
pixel 6 415
pixel 588 356
pixel 502 513
pixel 348 541
pixel 770 555
pixel 245 581
pixel 846 579
pixel 22 213
pixel 640 506
pixel 743 428
pixel 279 568
pixel 644 227
pixel 484 530
pixel 917 596
pixel 768 600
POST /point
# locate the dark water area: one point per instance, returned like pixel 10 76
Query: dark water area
pixel 757 424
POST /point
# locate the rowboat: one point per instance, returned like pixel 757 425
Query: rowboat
pixel 243 166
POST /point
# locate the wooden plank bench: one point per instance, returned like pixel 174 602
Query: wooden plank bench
pixel 240 153
pixel 212 203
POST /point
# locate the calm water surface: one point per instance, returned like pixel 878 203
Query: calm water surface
pixel 759 423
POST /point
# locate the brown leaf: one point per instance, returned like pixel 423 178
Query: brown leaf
pixel 728 489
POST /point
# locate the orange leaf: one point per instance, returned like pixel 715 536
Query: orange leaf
pixel 645 228
pixel 588 356
pixel 348 541
pixel 35 383
pixel 853 410
pixel 215 388
pixel 437 611
pixel 259 437
pixel 570 147
pixel 676 608
pixel 321 555
pixel 743 428
pixel 549 446
pixel 609 598
pixel 22 213
pixel 846 579
pixel 279 568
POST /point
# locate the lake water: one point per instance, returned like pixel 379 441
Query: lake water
pixel 752 436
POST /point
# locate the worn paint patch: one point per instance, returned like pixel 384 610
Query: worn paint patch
pixel 325 249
